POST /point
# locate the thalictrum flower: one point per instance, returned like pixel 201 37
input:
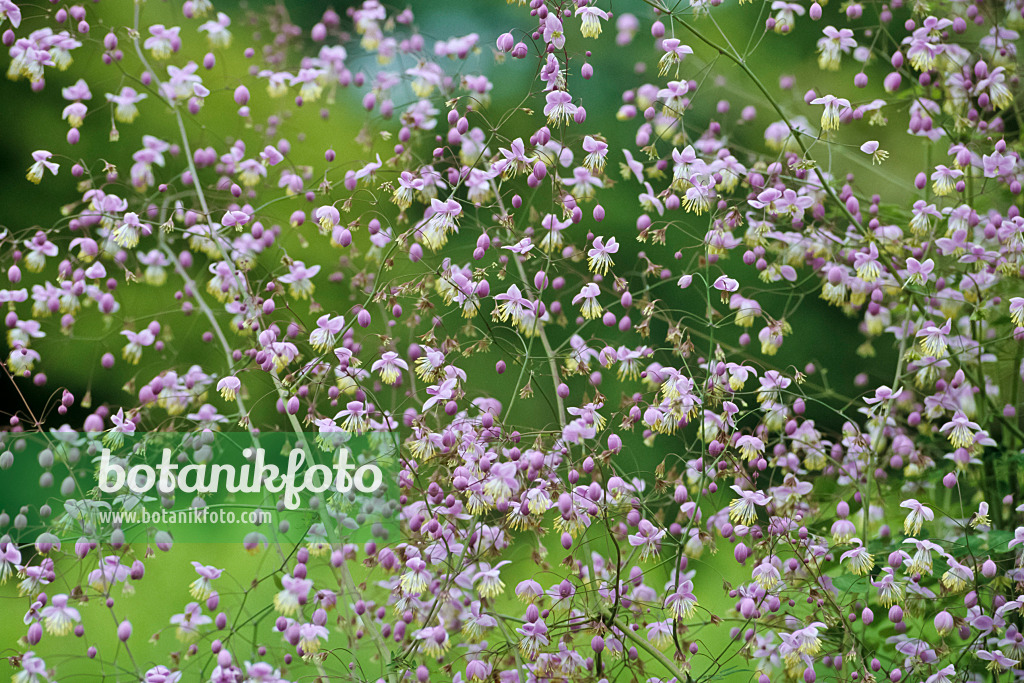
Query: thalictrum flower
pixel 743 510
pixel 833 45
pixel 918 515
pixel 592 17
pixel 599 258
pixel 590 308
pixel 189 621
pixel 878 155
pixel 860 560
pixel 59 616
pixel 201 588
pixel 675 52
pixel 300 279
pixel 1017 310
pixel 41 162
pixel 647 538
pixel 957 577
pixel 163 41
pixel 390 367
pixel 559 107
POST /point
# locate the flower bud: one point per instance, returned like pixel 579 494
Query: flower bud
pixel 943 623
pixel 614 443
pixel 505 42
pixel 988 569
pixel 741 553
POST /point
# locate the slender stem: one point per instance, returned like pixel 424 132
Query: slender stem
pixel 243 417
pixel 538 325
pixel 174 109
pixel 651 650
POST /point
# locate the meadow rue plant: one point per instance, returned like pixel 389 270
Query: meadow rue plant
pixel 451 248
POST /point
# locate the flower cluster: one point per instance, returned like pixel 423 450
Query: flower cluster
pixel 589 340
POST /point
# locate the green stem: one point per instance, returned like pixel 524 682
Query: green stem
pixel 343 574
pixel 654 652
pixel 538 325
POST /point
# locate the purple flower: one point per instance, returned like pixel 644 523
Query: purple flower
pixel 310 636
pixel 944 180
pixel 161 674
pixel 41 162
pixel 833 46
pixel 293 594
pixel 918 514
pixel 997 661
pixel 228 387
pixel 559 107
pixel 675 53
pixel 996 164
pixel 919 272
pixel 743 510
pixel 217 31
pixel 60 618
pixel 553 32
pixel 588 296
pixel 512 304
pixel 591 16
pixel 163 41
pixel 599 258
pixel 390 367
pixel 9 11
pixel 835 107
pixel 884 393
pixel 877 155
pixel 327 330
pixel 647 538
pixel 189 621
pixel 515 160
pixel 201 588
pixel 125 109
pixel 300 279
